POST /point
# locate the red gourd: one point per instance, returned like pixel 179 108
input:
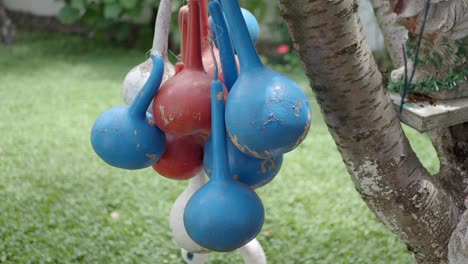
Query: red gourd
pixel 182 106
pixel 183 156
pixel 182 159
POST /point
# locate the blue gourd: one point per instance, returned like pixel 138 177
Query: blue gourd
pixel 252 24
pixel 252 171
pixel 224 43
pixel 244 168
pixel 250 20
pixel 224 214
pixel 267 114
pixel 125 136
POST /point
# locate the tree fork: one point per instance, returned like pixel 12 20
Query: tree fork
pixel 362 121
pixel 451 144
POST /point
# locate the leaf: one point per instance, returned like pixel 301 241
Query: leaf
pixel 121 31
pixel 69 14
pixel 78 4
pixel 112 11
pixel 134 13
pixel 129 4
pixel 103 23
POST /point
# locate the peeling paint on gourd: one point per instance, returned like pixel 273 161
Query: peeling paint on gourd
pixel 267 114
pixel 254 127
pixel 255 172
pixel 123 136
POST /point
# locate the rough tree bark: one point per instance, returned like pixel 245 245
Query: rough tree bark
pixel 421 209
pixel 394 35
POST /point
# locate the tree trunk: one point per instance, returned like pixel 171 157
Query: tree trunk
pixel 451 145
pixel 343 74
pixel 6 27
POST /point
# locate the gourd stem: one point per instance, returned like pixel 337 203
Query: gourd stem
pixel 228 62
pixel 249 59
pixel 162 25
pixel 220 158
pixel 182 18
pixel 194 60
pixel 143 99
pixel 204 24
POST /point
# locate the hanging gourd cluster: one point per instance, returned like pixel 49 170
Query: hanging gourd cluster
pixel 219 110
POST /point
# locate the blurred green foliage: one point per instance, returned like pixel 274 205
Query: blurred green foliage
pixel 104 15
pixel 116 18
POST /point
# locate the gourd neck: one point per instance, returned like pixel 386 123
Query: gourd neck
pixel 182 19
pixel 245 48
pixel 162 26
pixel 220 158
pixel 204 24
pixel 143 99
pixel 193 53
pixel 226 51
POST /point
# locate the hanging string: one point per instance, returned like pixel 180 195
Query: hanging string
pixel 217 35
pixel 211 40
pixel 416 54
pixel 148 53
pixel 175 56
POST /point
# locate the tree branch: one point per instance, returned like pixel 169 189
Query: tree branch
pixel 394 35
pixel 342 71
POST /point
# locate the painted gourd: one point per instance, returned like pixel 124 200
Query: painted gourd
pixel 224 214
pixel 267 114
pixel 224 43
pixel 182 106
pixel 252 171
pixel 250 20
pixel 252 24
pixel 136 77
pixel 176 217
pixel 124 136
pixel 182 159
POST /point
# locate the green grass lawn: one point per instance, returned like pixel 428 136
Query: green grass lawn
pixel 57 196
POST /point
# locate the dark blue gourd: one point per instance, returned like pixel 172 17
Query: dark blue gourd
pixel 224 214
pixel 224 43
pixel 252 171
pixel 267 114
pixel 125 136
